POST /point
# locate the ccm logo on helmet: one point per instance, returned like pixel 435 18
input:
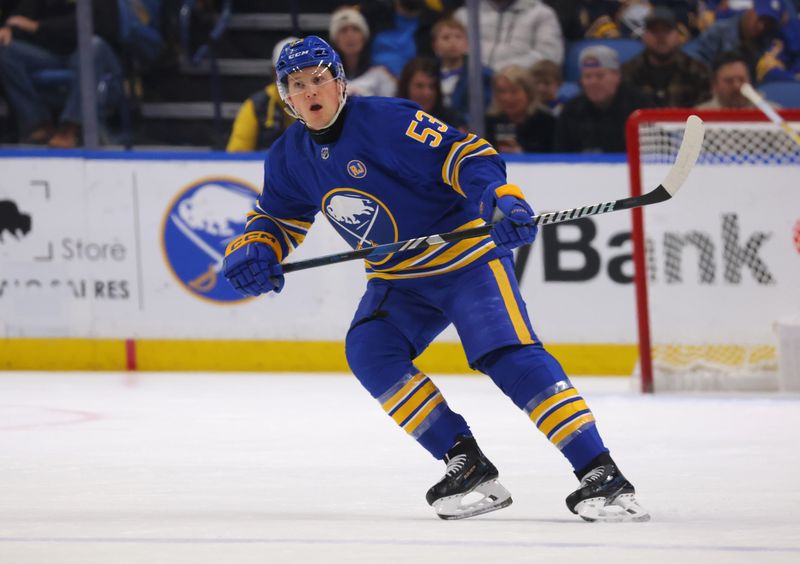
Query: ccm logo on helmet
pixel 295 55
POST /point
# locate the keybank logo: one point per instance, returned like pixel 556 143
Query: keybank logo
pixel 198 225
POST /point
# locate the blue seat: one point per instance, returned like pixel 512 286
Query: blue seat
pixel 569 90
pixel 787 94
pixel 626 49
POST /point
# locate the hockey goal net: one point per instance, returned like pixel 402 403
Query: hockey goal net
pixel 718 267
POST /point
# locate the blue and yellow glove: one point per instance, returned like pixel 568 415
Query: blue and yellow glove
pixel 505 206
pixel 252 264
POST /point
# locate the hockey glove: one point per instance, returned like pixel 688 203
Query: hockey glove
pixel 505 206
pixel 251 264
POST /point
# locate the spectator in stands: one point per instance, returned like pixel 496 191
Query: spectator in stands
pixel 42 35
pixel 401 31
pixel 262 118
pixel 662 70
pixel 730 73
pixel 516 122
pixel 517 32
pixel 349 34
pixel 712 11
pixel 419 82
pixel 587 19
pixel 449 38
pixel 547 82
pixel 766 35
pixel 595 120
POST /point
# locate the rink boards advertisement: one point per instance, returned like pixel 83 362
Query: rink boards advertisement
pixel 112 253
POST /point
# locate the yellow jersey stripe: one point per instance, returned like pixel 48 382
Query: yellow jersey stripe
pixel 414 402
pixel 571 428
pixel 451 156
pixel 412 425
pixel 402 392
pixel 472 257
pixel 512 307
pixel 551 401
pixel 562 414
pixel 436 248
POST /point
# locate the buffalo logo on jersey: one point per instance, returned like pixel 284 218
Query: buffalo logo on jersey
pixel 356 169
pixel 199 224
pixel 360 218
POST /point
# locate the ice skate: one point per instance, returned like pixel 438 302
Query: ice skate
pixel 605 495
pixel 469 486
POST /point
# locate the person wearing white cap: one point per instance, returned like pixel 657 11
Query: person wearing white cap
pixel 517 32
pixel 262 118
pixel 349 35
pixel 594 121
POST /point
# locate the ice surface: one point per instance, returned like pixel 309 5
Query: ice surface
pixel 243 468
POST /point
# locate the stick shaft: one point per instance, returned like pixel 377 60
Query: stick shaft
pixel 655 196
pixel 687 155
pixel 758 101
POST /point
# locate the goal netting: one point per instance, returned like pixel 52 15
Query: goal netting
pixel 718 268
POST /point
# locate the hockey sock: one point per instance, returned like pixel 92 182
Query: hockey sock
pixel 536 383
pixel 379 355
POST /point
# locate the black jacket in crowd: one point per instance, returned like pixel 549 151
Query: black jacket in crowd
pixel 584 128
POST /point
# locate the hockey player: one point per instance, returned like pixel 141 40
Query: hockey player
pixel 382 170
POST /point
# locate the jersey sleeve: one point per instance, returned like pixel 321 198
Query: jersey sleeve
pixel 282 209
pixel 422 145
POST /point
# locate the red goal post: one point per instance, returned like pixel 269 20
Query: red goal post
pixel 733 138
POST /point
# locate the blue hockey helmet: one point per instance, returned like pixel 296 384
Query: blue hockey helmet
pixel 311 51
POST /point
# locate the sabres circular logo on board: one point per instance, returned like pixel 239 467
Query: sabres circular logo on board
pixel 198 224
pixel 356 169
pixel 360 218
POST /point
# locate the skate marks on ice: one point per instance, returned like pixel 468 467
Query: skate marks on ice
pixel 305 468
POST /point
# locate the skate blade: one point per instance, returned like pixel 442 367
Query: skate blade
pixel 621 509
pixel 493 497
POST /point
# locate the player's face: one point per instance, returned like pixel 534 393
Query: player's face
pixel 728 84
pixel 422 90
pixel 450 43
pixel 512 98
pixel 600 85
pixel 315 95
pixel 350 41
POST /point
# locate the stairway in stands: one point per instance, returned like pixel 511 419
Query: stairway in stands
pixel 177 107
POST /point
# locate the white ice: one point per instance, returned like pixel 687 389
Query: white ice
pixel 243 468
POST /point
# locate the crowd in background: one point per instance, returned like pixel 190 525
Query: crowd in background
pixel 693 54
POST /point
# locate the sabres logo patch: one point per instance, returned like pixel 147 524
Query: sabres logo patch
pixel 360 218
pixel 356 169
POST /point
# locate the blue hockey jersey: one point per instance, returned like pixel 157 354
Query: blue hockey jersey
pixel 394 173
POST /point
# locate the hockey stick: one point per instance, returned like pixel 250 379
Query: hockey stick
pixel 758 101
pixel 687 155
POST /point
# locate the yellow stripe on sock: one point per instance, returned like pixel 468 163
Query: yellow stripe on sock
pixel 412 425
pixel 551 401
pixel 414 402
pixel 571 428
pixel 401 393
pixel 562 414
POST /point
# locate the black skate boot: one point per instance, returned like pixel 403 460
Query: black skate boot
pixel 469 474
pixel 606 495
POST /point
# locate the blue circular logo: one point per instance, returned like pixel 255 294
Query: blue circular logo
pixel 198 225
pixel 360 218
pixel 356 169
